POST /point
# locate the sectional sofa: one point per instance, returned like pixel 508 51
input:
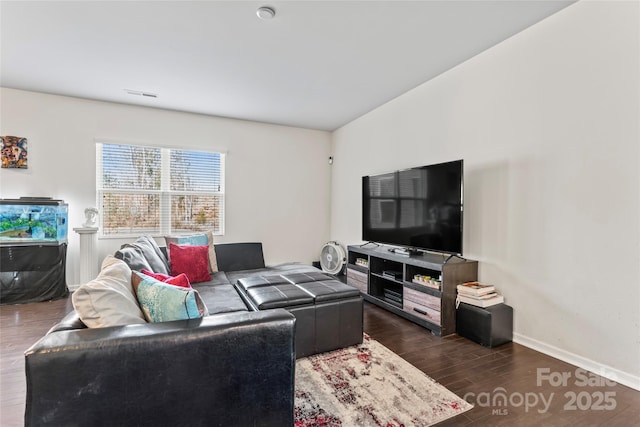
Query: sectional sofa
pixel 234 366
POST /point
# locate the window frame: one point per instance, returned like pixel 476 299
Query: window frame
pixel 165 193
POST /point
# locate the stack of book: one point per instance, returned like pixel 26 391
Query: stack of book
pixel 478 294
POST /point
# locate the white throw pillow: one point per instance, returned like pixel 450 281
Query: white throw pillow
pixel 108 300
pixel 213 259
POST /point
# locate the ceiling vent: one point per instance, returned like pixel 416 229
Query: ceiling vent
pixel 140 93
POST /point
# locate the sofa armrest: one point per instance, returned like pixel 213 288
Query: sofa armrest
pixel 69 322
pixel 229 369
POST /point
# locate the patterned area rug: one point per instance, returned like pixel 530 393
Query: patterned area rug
pixel 369 385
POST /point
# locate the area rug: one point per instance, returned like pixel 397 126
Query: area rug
pixel 369 385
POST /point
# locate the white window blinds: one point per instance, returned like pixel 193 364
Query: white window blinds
pixel 158 191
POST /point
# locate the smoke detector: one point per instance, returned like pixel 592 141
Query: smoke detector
pixel 266 12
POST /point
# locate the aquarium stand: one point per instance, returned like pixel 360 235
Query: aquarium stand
pixel 32 272
pixel 33 249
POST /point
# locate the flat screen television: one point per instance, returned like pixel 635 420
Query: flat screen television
pixel 418 208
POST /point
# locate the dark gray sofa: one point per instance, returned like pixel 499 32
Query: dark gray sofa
pixel 230 369
pixel 235 367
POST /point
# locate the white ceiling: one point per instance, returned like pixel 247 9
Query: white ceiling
pixel 317 64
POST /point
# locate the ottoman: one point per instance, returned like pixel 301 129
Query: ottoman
pixel 491 326
pixel 328 312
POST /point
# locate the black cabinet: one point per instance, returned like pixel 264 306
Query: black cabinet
pixel 490 326
pixel 419 287
pixel 32 273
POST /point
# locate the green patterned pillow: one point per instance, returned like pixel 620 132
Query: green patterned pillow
pixel 161 302
pixel 193 240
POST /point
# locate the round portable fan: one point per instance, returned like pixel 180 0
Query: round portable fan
pixel 332 258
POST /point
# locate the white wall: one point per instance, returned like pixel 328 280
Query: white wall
pixel 277 177
pixel 547 123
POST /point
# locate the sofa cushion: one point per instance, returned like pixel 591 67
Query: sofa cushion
pixel 219 295
pixel 145 254
pixel 221 298
pixel 190 260
pixel 108 300
pixel 162 302
pixel 205 239
pixel 239 256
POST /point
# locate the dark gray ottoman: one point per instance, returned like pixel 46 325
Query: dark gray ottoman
pixel 338 314
pixel 491 326
pixel 328 312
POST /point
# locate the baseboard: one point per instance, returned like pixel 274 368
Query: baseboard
pixel 608 372
pixel 73 287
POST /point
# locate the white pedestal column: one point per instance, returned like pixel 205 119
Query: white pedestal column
pixel 88 253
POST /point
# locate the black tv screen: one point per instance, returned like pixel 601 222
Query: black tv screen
pixel 417 208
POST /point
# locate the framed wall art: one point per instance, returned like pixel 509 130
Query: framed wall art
pixel 14 152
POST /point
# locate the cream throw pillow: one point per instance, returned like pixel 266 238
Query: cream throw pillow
pixel 108 300
pixel 213 260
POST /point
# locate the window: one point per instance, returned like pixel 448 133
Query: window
pixel 158 191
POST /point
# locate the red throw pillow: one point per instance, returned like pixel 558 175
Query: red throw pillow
pixel 180 280
pixel 190 260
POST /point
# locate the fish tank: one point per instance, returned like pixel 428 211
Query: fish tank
pixel 33 220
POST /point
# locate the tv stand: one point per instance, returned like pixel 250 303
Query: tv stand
pixel 453 256
pixel 433 306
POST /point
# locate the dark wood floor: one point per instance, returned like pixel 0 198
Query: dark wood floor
pixel 479 374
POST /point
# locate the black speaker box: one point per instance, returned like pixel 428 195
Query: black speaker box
pixel 490 326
